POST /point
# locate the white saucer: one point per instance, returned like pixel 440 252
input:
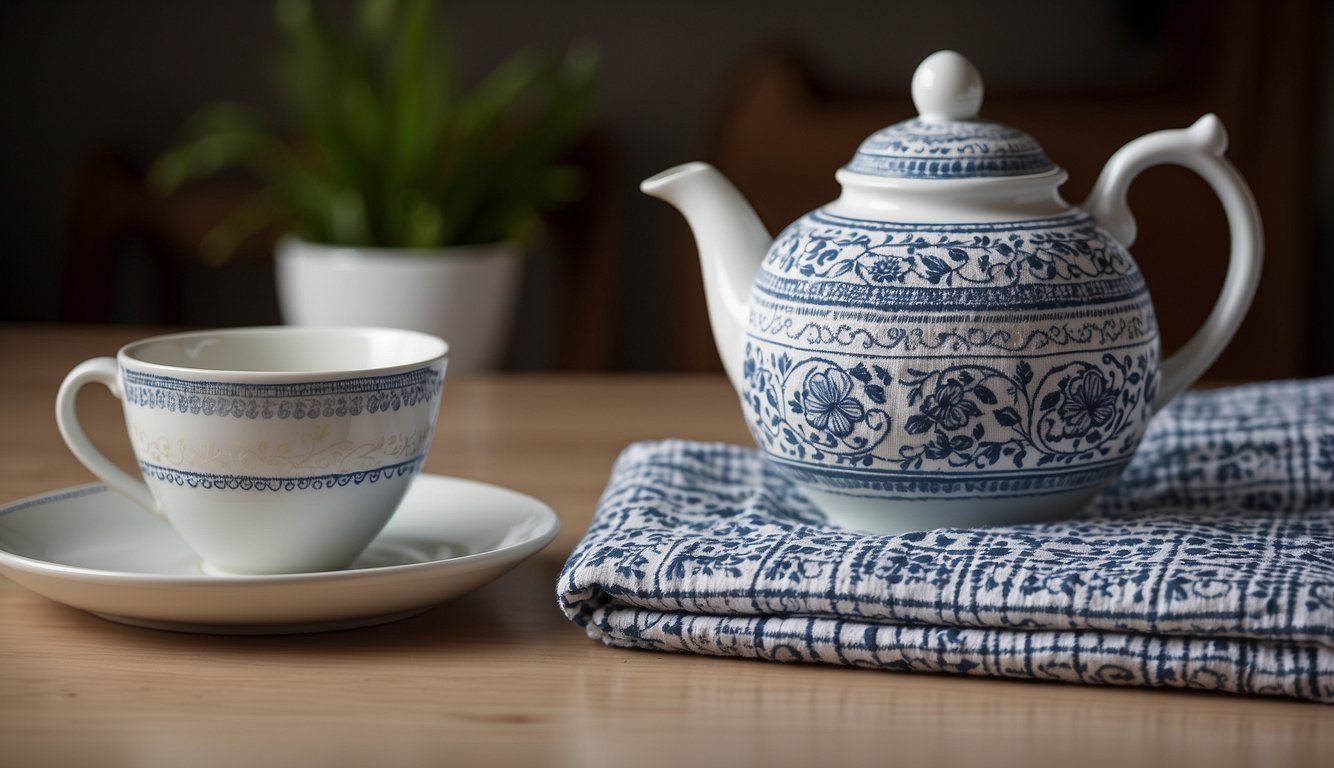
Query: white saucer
pixel 93 549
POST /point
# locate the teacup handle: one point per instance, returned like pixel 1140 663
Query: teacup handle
pixel 1199 148
pixel 102 370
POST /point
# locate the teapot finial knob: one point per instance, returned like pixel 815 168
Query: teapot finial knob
pixel 946 86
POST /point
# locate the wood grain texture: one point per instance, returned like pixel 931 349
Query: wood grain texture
pixel 499 677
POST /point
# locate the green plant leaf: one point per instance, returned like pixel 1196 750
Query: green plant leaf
pixel 423 224
pixel 387 149
pixel 208 153
pixel 375 23
pixel 316 67
pixel 418 79
pixel 260 210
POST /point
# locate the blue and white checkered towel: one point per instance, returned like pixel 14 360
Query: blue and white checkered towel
pixel 1210 564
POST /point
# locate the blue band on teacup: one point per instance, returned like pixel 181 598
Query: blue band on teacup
pixel 211 481
pixel 345 397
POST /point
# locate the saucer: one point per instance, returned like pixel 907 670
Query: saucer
pixel 91 548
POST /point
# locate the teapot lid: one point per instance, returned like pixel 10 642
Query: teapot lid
pixel 947 140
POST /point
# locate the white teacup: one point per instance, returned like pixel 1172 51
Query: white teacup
pixel 270 450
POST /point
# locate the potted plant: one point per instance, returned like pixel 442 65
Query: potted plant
pixel 409 199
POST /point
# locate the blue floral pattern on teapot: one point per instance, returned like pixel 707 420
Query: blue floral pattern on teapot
pixel 939 360
pixel 950 342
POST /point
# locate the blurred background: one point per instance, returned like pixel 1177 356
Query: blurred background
pixel 776 93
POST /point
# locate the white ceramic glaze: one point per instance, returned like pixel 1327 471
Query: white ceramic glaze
pixel 271 450
pixel 951 343
pixel 92 549
pixel 467 295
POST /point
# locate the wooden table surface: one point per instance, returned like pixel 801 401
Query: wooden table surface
pixel 499 677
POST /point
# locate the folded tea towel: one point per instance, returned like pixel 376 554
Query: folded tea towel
pixel 1209 564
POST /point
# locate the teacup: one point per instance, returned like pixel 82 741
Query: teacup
pixel 270 450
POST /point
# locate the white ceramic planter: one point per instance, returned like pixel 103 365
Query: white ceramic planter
pixel 466 295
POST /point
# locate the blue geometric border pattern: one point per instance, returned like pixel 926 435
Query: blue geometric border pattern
pixel 908 167
pixel 925 485
pixel 256 483
pixel 1077 217
pixel 343 397
pixel 1208 565
pixel 1075 295
pixel 921 149
pixel 1102 327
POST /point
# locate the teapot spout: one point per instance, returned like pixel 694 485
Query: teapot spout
pixel 731 242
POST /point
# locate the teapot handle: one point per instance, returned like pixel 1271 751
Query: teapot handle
pixel 1199 148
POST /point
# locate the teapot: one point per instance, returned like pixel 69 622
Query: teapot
pixel 950 343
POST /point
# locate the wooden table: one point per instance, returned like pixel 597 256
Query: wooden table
pixel 499 677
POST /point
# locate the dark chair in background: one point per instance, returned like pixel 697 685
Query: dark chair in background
pixel 112 218
pixel 780 136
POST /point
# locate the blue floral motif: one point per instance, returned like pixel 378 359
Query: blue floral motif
pixel 948 407
pixel 828 403
pixel 921 362
pixel 826 246
pixel 835 425
pixel 970 416
pixel 1089 403
pixel 886 270
pixel 964 361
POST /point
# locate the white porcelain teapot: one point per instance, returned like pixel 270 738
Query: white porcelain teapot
pixel 950 343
